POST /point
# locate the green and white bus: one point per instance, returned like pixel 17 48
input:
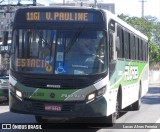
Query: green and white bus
pixel 75 62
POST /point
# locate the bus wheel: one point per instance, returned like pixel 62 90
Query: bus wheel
pixel 39 119
pixel 136 105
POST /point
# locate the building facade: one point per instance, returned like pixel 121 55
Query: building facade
pixel 6 18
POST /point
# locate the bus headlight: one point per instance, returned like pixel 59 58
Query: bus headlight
pixel 91 96
pixel 96 94
pixel 18 93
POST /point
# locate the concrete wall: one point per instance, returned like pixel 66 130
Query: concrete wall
pixel 154 76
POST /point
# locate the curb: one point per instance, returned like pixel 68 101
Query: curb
pixel 154 83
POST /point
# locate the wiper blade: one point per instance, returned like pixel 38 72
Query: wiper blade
pixel 73 40
pixel 40 36
pixel 42 39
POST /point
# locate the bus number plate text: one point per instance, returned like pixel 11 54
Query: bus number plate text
pixel 53 107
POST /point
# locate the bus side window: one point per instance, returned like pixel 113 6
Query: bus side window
pixel 112 50
pixel 110 46
pixel 120 36
pixel 126 45
pixel 136 45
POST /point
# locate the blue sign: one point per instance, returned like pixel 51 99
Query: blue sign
pixel 61 68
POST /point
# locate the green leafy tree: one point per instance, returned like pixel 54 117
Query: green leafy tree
pixel 150 26
pixel 154 53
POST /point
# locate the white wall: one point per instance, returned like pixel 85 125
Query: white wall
pixel 154 76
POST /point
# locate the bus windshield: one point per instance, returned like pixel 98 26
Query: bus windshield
pixel 73 52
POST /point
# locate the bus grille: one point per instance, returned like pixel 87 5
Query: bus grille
pixel 64 83
pixel 36 81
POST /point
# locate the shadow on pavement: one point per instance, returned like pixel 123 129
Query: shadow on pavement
pixel 152 97
pixel 154 90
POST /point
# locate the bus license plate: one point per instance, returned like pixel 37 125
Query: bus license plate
pixel 53 107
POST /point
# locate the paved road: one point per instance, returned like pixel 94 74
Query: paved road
pixel 149 113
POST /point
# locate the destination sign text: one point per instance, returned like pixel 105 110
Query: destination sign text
pixel 59 16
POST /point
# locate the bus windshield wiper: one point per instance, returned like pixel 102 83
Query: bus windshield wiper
pixel 73 40
pixel 40 35
pixel 42 39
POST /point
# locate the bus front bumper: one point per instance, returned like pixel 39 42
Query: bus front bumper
pixel 96 108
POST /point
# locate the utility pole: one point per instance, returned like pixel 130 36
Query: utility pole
pixel 95 3
pixel 142 1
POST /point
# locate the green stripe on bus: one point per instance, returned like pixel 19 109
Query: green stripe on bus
pixel 54 94
pixel 118 78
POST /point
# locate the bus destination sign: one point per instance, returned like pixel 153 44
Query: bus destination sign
pixel 59 16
